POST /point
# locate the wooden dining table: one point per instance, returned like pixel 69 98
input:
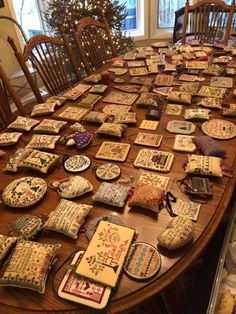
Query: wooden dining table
pixel 129 293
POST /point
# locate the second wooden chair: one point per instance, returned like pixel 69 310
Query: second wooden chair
pixel 94 42
pixel 50 57
pixel 208 21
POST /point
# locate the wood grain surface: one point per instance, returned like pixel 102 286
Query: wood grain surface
pixel 129 293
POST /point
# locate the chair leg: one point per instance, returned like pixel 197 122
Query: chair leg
pixel 12 92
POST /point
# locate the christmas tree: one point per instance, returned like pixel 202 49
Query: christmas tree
pixel 58 11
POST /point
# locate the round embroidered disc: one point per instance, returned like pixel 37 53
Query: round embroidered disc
pixel 94 223
pixel 24 192
pixel 219 129
pixel 108 171
pixel 143 261
pixel 77 163
pixel 26 226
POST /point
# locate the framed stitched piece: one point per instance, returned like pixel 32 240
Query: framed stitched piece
pixel 148 139
pixel 154 179
pixel 161 44
pixel 174 109
pixel 164 80
pixel 210 102
pixel 155 61
pixel 76 91
pixel 134 64
pixel 141 80
pixel 210 91
pixel 82 290
pixel 191 88
pixel 120 98
pixel 113 151
pixel 186 208
pixel 154 160
pixel 163 91
pixel 98 89
pixel 70 113
pixel 128 88
pixel 214 70
pixel 199 65
pixel 230 71
pixel 144 49
pixel 149 125
pixel 117 71
pixel 138 71
pixel 94 78
pixel 184 143
pixel 222 59
pixel 226 82
pixel 114 110
pixel 188 78
pixel 153 68
pixel 130 55
pixel 170 67
pixel 128 118
pixel 89 100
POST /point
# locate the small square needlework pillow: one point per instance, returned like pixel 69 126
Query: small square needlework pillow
pixel 43 109
pixel 128 118
pixel 16 158
pixel 40 161
pixel 67 218
pixel 57 100
pixel 112 129
pixel 9 138
pixel 197 114
pixel 147 99
pixel 95 117
pixel 206 165
pixel 146 196
pixel 23 124
pixel 43 141
pixel 180 97
pixel 29 265
pixel 6 243
pixel 111 194
pixel 50 126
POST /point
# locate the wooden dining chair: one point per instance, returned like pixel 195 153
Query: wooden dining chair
pixel 94 42
pixel 208 21
pixel 6 114
pixel 51 57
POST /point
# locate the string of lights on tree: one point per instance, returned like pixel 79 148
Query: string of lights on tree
pixel 59 11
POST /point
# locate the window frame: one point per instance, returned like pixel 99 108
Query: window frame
pixel 141 33
pixel 158 32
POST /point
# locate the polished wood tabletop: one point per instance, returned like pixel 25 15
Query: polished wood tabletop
pixel 128 293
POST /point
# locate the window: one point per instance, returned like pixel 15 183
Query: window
pixel 131 7
pixel 166 12
pixel 28 14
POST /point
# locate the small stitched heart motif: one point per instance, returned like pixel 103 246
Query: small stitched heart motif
pixel 82 139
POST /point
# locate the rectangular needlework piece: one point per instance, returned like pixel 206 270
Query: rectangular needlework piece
pixel 105 255
pixel 113 151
